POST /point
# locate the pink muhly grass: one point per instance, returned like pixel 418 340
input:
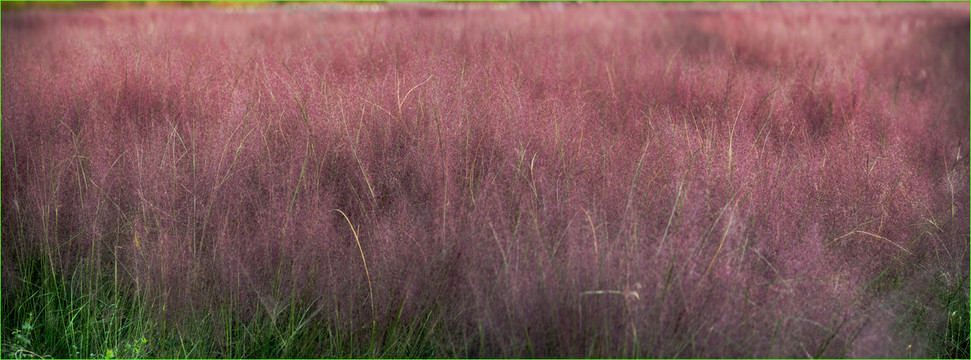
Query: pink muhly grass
pixel 598 180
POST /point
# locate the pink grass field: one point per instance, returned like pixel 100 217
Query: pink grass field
pixel 660 180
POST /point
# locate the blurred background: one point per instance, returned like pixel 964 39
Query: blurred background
pixel 19 5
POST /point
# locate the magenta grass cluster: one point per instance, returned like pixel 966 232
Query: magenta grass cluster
pixel 757 180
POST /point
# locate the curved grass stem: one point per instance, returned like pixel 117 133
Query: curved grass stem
pixel 370 289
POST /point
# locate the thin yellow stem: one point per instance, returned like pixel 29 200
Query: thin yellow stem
pixel 731 217
pixel 370 289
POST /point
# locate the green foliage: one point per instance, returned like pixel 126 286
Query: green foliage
pixel 130 350
pixel 19 347
pixel 953 339
pixel 74 318
pixel 80 324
